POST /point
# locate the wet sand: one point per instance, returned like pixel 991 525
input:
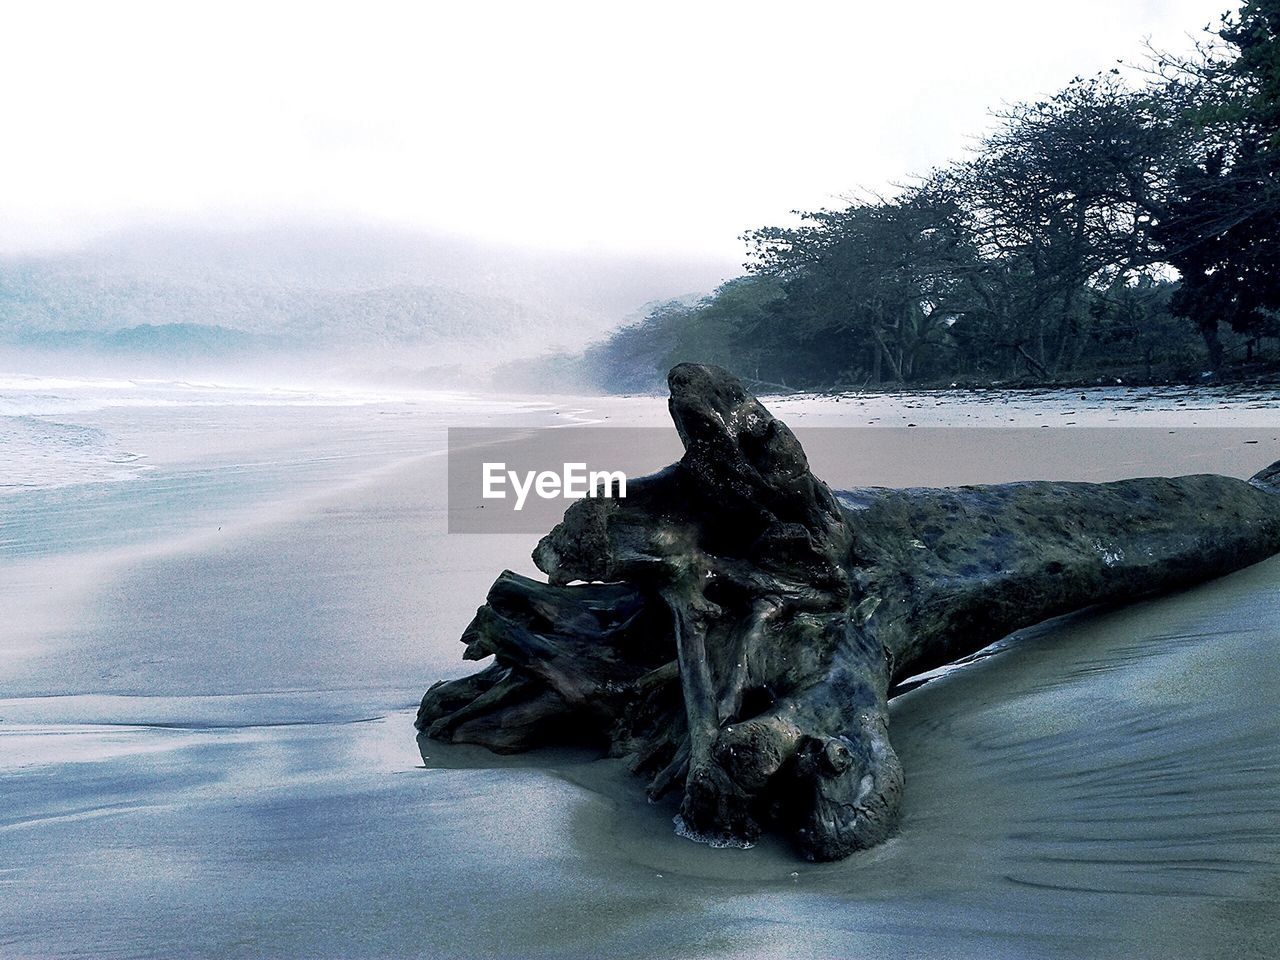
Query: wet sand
pixel 206 745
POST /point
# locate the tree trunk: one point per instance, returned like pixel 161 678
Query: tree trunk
pixel 894 367
pixel 1065 359
pixel 1033 363
pixel 735 628
pixel 1212 344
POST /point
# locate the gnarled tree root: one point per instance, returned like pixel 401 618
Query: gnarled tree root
pixel 734 627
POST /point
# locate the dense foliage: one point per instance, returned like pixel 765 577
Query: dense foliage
pixel 1112 227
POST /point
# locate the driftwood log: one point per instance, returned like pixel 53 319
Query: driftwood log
pixel 735 627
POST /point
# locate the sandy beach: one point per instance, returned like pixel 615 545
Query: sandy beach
pixel 209 667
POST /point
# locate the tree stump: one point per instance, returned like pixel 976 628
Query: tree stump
pixel 734 626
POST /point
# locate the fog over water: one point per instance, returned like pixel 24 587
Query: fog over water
pixel 320 303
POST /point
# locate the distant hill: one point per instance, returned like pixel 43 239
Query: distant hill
pixel 176 341
pixel 360 294
pixel 53 305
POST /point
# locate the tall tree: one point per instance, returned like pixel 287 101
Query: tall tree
pixel 868 287
pixel 1222 226
pixel 1062 197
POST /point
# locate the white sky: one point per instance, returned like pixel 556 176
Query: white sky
pixel 642 126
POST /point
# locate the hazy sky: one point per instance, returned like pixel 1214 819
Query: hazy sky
pixel 629 126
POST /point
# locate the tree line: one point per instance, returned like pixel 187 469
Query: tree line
pixel 1116 225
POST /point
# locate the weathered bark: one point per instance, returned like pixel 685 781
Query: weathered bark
pixel 735 627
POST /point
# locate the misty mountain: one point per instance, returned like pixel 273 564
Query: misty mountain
pixel 355 292
pixel 173 341
pixel 48 305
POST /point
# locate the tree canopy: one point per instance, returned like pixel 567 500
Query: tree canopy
pixel 1114 225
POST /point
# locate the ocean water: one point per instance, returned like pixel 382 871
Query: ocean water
pixel 45 444
pixel 92 463
pixel 137 550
